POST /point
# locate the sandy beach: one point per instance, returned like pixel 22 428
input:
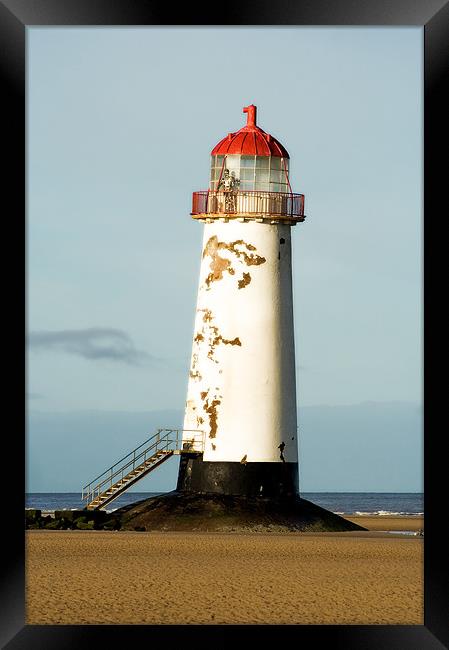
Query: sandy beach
pixel 83 577
pixel 388 522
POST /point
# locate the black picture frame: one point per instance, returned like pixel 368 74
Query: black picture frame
pixel 15 17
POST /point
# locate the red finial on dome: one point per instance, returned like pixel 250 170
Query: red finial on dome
pixel 252 112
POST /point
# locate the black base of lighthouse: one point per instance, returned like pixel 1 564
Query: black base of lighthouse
pixel 245 479
pixel 190 511
pixel 232 497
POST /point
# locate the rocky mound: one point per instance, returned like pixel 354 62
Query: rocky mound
pixel 181 511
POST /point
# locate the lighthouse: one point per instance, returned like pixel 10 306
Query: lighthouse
pixel 238 447
pixel 242 383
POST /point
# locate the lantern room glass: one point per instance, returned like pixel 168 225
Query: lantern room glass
pixel 251 173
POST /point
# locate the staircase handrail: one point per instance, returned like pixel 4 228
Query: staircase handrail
pixel 109 476
pixel 160 444
pixel 124 457
pixel 119 461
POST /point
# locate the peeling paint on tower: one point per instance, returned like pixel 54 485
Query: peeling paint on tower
pixel 220 264
pixel 244 282
pixel 211 410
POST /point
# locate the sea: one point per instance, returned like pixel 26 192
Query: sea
pixel 401 504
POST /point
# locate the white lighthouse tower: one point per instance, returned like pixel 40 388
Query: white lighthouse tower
pixel 242 385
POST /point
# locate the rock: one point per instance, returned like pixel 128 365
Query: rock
pixel 65 523
pixel 33 514
pixel 86 525
pixel 46 520
pixel 79 520
pixel 55 524
pixel 111 524
pixel 70 515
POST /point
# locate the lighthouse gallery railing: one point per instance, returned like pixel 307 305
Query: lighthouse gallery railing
pixel 248 202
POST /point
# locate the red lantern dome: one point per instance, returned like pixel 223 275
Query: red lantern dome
pixel 251 140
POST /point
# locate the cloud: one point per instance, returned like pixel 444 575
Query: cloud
pixel 92 343
pixel 34 395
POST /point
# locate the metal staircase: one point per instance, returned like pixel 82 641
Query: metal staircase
pixel 138 463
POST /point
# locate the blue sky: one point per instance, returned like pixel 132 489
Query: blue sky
pixel 121 122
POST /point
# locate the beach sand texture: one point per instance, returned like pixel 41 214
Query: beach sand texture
pixel 94 577
pixel 387 522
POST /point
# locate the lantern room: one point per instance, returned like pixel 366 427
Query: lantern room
pixel 249 177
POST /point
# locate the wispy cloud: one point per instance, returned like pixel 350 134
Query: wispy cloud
pixel 92 343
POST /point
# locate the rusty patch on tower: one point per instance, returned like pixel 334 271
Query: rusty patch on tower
pixel 219 264
pixel 250 260
pixel 211 334
pixel 244 281
pixel 207 318
pixel 219 339
pixel 211 410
